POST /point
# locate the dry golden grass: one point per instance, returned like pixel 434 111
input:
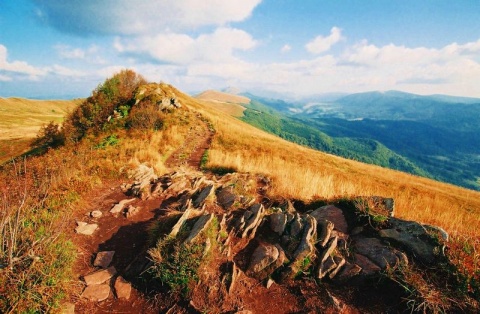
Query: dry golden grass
pixel 223 97
pixel 305 174
pixel 20 120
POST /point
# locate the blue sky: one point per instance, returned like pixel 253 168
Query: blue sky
pixel 59 49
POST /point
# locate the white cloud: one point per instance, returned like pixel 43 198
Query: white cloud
pixel 321 44
pixel 286 48
pixel 18 67
pixel 129 17
pixel 218 46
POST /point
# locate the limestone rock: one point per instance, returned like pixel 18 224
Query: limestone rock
pixel 85 228
pixel 96 293
pixel 181 221
pixel 103 259
pixel 201 224
pixel 382 255
pixel 333 214
pixel 100 276
pixel 264 255
pixel 118 208
pixel 278 221
pixel 123 288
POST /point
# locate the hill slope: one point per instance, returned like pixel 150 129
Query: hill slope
pixel 20 120
pixel 271 171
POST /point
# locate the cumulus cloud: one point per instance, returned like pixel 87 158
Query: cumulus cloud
pixel 17 67
pixel 218 46
pixel 321 44
pixel 130 17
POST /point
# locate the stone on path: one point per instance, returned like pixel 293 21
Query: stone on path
pixel 103 259
pixel 118 208
pixel 100 276
pixel 96 292
pixel 123 288
pixel 85 228
pixel 95 214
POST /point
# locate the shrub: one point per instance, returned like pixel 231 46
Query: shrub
pixel 113 97
pixel 145 116
pixel 49 135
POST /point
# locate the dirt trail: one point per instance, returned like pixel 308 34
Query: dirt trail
pixel 128 236
pixel 191 152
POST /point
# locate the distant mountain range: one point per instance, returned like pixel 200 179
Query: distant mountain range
pixel 435 136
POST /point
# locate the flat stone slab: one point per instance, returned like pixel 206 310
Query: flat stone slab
pixel 200 199
pixel 201 225
pixel 100 276
pixel 96 293
pixel 85 228
pixel 103 259
pixel 226 198
pixel 123 289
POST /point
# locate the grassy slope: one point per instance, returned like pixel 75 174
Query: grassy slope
pixel 20 120
pixel 305 174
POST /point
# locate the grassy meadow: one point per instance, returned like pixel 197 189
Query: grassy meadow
pixel 20 120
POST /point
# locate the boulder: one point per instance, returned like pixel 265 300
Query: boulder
pixel 264 255
pixel 85 228
pixel 226 198
pixel 278 221
pixel 348 272
pixel 100 276
pixel 340 262
pixel 379 253
pixel 333 214
pixel 415 238
pixel 296 225
pixel 103 259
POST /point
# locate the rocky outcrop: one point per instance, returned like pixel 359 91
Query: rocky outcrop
pixel 159 94
pixel 272 241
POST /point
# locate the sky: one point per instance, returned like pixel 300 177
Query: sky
pixel 64 49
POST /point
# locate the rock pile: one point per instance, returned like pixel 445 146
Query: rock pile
pixel 346 241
